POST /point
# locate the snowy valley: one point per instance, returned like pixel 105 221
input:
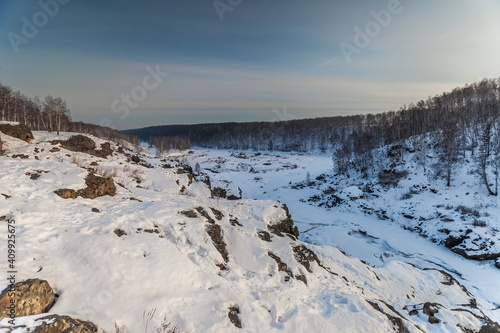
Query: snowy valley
pixel 166 246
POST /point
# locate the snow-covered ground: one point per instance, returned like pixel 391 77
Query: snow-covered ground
pixel 163 244
pixel 282 176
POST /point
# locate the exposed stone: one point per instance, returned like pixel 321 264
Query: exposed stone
pixel 283 267
pixel 95 210
pixel 234 222
pixel 22 132
pixel 396 321
pixel 79 143
pixel 217 213
pixel 119 232
pixel 234 317
pixel 21 156
pixel 189 213
pixel 66 193
pixel 453 241
pixel 97 186
pixel 105 150
pixel 65 324
pixel 31 297
pixel 284 226
pixel 264 235
pixel 205 215
pixel 430 309
pixel 304 256
pixel 54 150
pixel 219 192
pixel 215 232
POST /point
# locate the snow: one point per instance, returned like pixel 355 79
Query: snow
pixel 173 269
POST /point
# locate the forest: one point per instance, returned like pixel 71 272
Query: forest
pixel 452 126
pixel 50 114
pixel 447 128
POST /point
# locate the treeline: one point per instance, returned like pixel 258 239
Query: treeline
pixel 321 134
pixel 452 126
pixel 165 143
pixel 51 114
pixel 357 134
pixel 442 131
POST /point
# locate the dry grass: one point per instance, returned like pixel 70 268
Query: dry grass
pixel 133 173
pixel 107 172
pixel 164 327
pixel 77 161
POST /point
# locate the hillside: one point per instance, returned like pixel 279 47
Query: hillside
pixel 165 245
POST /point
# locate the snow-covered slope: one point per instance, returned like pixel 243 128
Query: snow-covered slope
pixel 163 245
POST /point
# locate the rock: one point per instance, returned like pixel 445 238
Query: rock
pixel 497 263
pixel 233 315
pixel 430 309
pixel 119 232
pixel 286 225
pixel 304 256
pixel 105 150
pixel 21 156
pixel 189 213
pixel 264 235
pixel 219 192
pixel 95 210
pixel 135 159
pixel 215 232
pixel 66 193
pixel 58 324
pixel 453 241
pixel 22 132
pixel 54 150
pixel 31 297
pixel 97 187
pixel 217 213
pixel 79 143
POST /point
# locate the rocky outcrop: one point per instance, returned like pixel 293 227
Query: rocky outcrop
pixel 96 187
pixel 26 298
pixel 234 317
pixel 83 144
pixel 22 132
pixel 56 324
pixel 79 143
pixel 284 226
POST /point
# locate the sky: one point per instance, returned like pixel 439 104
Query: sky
pixel 130 64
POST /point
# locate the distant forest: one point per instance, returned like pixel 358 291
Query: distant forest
pixel 451 126
pixel 50 114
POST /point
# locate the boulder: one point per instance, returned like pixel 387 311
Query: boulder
pixel 284 226
pixel 56 324
pixel 30 297
pixel 22 132
pixel 97 187
pixel 79 143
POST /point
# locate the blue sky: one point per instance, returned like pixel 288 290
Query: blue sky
pixel 266 60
